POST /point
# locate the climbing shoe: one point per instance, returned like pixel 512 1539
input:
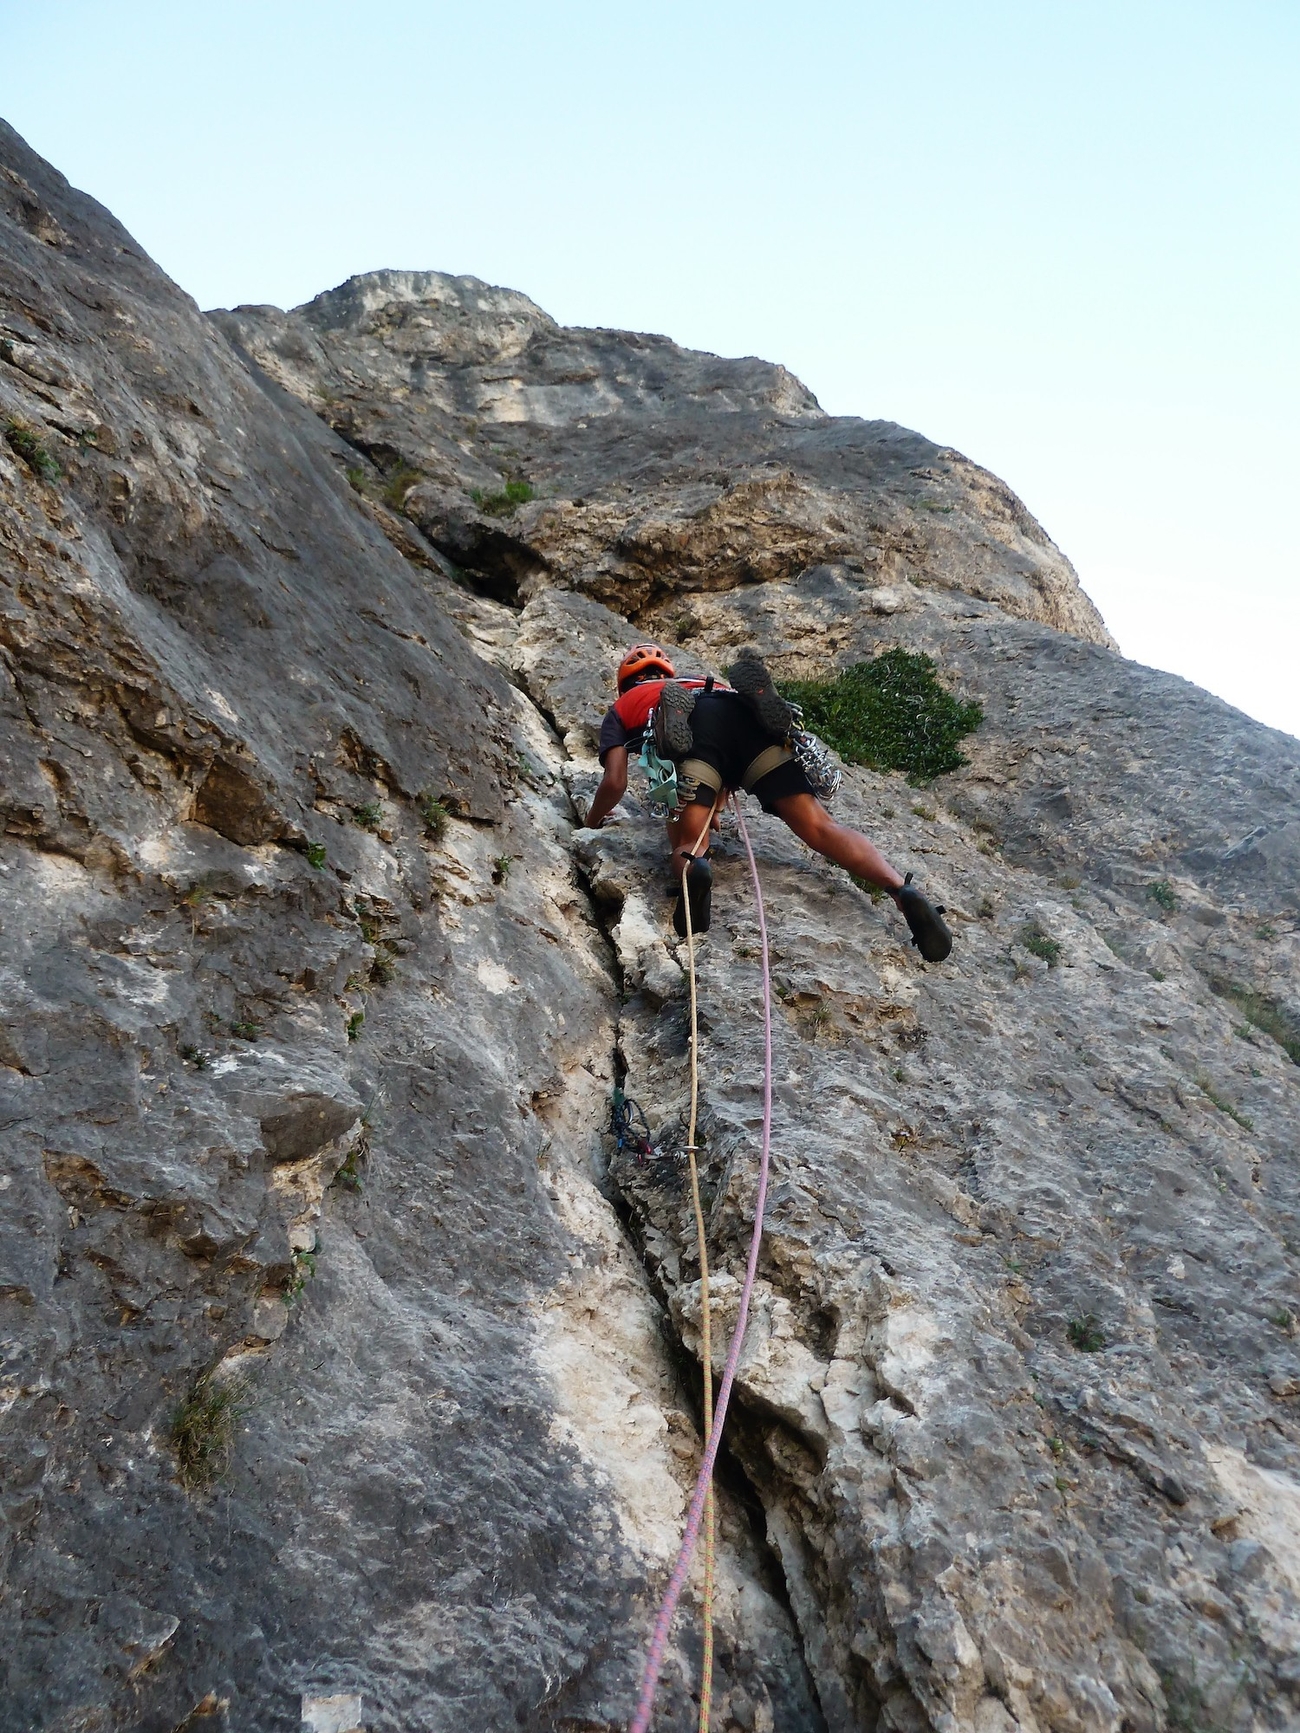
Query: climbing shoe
pixel 699 888
pixel 672 723
pixel 751 679
pixel 929 934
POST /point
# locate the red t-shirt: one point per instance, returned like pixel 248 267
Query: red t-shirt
pixel 624 722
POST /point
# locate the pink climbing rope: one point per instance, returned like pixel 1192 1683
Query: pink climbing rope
pixel 677 1582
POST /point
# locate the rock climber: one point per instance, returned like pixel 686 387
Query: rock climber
pixel 722 737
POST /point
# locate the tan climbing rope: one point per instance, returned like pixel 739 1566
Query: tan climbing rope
pixel 706 1335
pixel 702 1496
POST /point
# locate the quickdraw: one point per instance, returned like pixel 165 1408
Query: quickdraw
pixel 661 774
pixel 816 760
pixel 630 1129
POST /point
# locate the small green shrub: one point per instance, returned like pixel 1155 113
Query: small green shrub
pixel 316 855
pixel 434 814
pixel 398 485
pixel 354 1024
pixel 501 868
pixel 203 1428
pixel 1085 1333
pixel 1162 892
pixel 33 451
pixel 1266 931
pixel 1038 944
pixel 890 714
pixel 304 1268
pixel 196 1057
pixel 348 1177
pixel 1281 1319
pixel 357 479
pixel 370 815
pixel 246 1031
pixel 504 502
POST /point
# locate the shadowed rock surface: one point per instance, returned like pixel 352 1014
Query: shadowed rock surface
pixel 314 1001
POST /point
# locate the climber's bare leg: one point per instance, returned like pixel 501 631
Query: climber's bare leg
pixel 811 823
pixel 686 835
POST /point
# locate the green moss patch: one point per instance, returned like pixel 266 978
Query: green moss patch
pixel 889 714
pixel 507 500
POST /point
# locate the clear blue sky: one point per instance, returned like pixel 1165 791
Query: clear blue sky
pixel 1059 234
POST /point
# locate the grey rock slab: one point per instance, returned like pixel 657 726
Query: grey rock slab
pixel 314 999
pixel 292 1086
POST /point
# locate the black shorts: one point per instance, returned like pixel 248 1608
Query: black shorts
pixel 729 741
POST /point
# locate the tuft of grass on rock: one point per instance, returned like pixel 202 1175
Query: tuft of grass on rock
pixel 354 1025
pixel 501 868
pixel 505 501
pixel 1162 892
pixel 398 484
pixel 369 815
pixel 357 479
pixel 203 1428
pixel 434 814
pixel 890 714
pixel 1212 1095
pixel 32 449
pixel 874 891
pixel 1038 944
pixel 247 1031
pixel 1085 1333
pixel 1266 1014
pixel 316 855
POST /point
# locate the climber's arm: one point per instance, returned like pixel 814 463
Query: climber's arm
pixel 612 788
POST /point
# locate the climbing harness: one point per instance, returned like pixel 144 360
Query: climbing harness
pixel 630 1128
pixel 702 1506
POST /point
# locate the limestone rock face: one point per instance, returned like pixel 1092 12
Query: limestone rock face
pixel 351 1372
pixel 662 471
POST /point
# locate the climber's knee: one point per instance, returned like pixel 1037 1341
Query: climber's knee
pixel 807 818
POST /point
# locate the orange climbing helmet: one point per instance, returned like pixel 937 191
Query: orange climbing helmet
pixel 643 659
